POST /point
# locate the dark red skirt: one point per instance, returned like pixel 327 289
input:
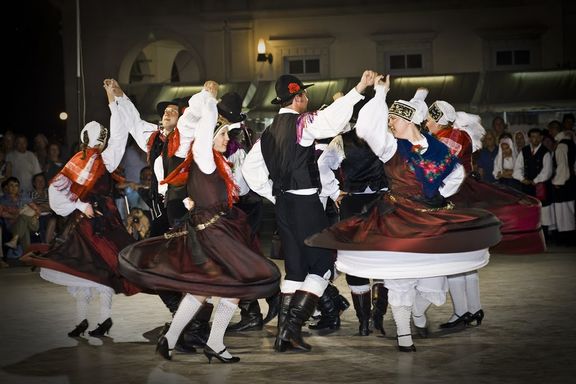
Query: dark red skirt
pixel 159 263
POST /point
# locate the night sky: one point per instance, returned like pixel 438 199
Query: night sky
pixel 36 71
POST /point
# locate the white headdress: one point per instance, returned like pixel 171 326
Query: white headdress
pixel 94 134
pixel 415 110
pixel 442 112
pixel 471 124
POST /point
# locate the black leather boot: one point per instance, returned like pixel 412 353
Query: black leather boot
pixel 171 300
pixel 301 308
pixel 250 317
pixel 196 333
pixel 329 306
pixel 279 344
pixel 362 305
pixel 273 307
pixel 379 306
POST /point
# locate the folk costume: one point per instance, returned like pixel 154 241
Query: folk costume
pixel 231 264
pixel 412 237
pixel 282 167
pixel 85 255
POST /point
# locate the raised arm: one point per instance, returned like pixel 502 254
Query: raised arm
pixel 372 124
pixel 203 143
pixel 114 152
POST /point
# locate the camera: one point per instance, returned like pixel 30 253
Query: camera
pixel 135 220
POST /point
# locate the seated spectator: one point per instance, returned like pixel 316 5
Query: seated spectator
pixel 485 157
pixel 504 164
pixel 54 162
pixel 5 167
pixel 19 214
pixel 39 196
pixel 138 224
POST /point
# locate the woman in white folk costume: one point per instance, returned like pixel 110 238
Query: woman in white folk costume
pixel 412 237
pixel 85 256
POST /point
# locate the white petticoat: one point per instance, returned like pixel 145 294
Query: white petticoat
pixel 68 280
pixel 406 265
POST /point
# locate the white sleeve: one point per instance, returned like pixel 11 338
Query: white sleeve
pixel 114 152
pixel 546 172
pixel 372 126
pixel 140 130
pixel 328 162
pixel 188 122
pixel 562 173
pixel 452 182
pixel 59 201
pixel 498 166
pixel 331 120
pixel 237 159
pixel 204 141
pixel 518 173
pixel 256 173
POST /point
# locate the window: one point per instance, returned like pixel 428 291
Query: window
pixel 513 57
pixel 405 54
pixel 303 66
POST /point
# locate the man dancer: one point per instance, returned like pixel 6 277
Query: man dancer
pixel 282 167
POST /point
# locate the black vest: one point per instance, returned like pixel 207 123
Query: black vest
pixel 533 164
pixel 160 148
pixel 291 166
pixel 361 168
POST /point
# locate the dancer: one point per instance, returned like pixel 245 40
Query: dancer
pixel 85 256
pixel 363 181
pixel 462 134
pixel 225 262
pixel 412 237
pixel 282 167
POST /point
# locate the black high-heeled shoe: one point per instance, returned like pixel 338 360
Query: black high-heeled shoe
pixel 102 329
pixel 477 316
pixel 460 321
pixel 163 349
pixel 210 353
pixel 411 348
pixel 80 329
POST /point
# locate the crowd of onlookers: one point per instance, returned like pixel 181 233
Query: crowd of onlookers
pixel 26 217
pixel 538 162
pixel 25 214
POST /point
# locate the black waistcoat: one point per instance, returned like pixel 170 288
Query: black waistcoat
pixel 360 168
pixel 291 166
pixel 533 163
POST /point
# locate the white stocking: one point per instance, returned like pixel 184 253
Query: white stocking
pixel 105 303
pixel 401 316
pixel 419 310
pixel 473 292
pixel 186 311
pixel 222 316
pixel 83 295
pixel 457 285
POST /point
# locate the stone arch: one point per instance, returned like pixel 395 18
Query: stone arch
pixel 163 60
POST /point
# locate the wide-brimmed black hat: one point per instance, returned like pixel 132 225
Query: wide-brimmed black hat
pixel 230 107
pixel 182 103
pixel 288 86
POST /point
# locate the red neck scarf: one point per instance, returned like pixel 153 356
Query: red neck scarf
pixel 84 169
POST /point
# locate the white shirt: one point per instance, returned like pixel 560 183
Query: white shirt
pixel 544 175
pixel 328 122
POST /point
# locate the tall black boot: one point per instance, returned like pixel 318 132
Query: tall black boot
pixel 301 308
pixel 273 307
pixel 329 306
pixel 198 329
pixel 285 299
pixel 250 317
pixel 171 300
pixel 362 304
pixel 379 306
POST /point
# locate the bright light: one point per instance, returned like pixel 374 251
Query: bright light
pixel 63 116
pixel 261 46
pixel 425 79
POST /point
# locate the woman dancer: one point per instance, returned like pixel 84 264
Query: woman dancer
pixel 227 264
pixel 84 257
pixel 412 237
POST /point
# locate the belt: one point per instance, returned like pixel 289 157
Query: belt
pixel 212 220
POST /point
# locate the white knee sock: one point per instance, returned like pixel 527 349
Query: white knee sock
pixel 222 316
pixel 457 285
pixel 186 311
pixel 105 303
pixel 473 292
pixel 83 295
pixel 401 316
pixel 419 310
pixel 359 289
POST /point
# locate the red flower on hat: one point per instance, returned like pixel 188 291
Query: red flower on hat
pixel 293 88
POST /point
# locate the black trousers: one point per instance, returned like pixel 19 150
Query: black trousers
pixel 351 205
pixel 298 217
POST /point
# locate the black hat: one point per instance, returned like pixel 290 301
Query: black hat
pixel 288 86
pixel 182 103
pixel 230 107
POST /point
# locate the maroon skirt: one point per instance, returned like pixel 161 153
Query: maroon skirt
pixel 165 262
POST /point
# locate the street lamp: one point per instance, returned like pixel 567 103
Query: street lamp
pixel 262 55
